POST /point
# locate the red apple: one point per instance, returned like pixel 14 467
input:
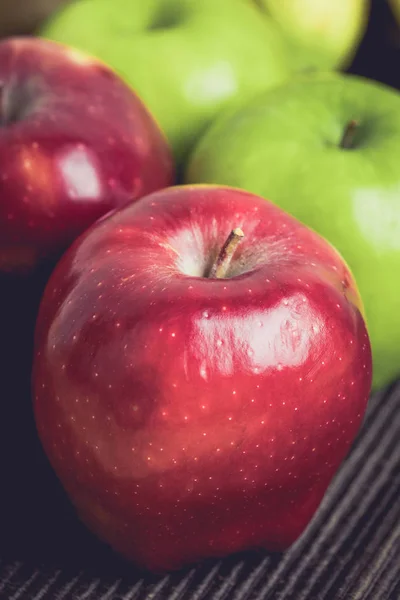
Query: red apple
pixel 75 143
pixel 193 411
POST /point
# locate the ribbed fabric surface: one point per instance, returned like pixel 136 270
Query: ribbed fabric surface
pixel 351 550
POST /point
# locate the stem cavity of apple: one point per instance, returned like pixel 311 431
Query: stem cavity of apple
pixel 349 132
pixel 224 258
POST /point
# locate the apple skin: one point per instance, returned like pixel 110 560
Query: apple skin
pixel 190 417
pixel 201 55
pixel 285 146
pixel 75 143
pixel 322 34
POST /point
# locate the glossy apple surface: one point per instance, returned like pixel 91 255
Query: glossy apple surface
pixel 191 416
pixel 186 60
pixel 321 34
pixel 286 146
pixel 75 143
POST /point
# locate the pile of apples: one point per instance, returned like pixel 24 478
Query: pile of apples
pixel 207 191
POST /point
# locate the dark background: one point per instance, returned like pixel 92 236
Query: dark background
pixel 352 549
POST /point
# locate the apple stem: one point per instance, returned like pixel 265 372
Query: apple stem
pixel 348 135
pixel 221 265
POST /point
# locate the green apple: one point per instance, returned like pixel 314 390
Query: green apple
pixel 323 34
pixel 327 151
pixel 187 59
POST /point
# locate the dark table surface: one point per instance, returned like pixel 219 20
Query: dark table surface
pixel 351 550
